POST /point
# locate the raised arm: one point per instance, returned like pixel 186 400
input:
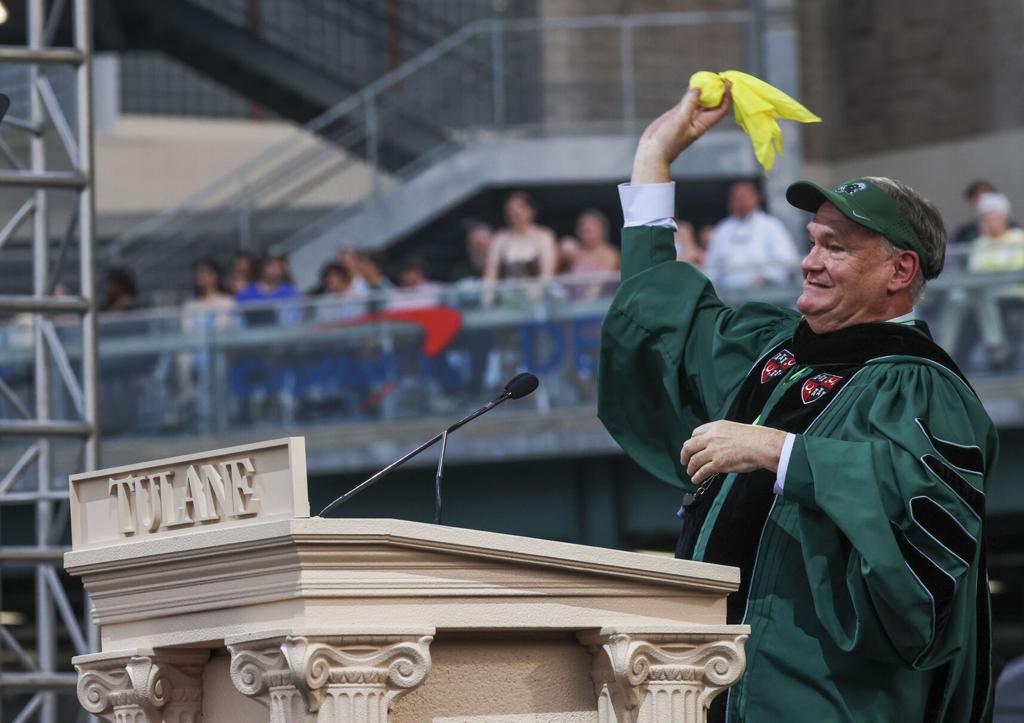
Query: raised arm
pixel 671 133
pixel 672 354
pixel 548 253
pixel 648 201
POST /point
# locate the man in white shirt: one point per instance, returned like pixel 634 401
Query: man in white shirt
pixel 750 248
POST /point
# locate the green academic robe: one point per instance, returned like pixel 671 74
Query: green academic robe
pixel 864 581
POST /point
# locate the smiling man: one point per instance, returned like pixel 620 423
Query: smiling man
pixel 835 454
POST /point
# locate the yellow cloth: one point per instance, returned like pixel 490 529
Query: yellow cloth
pixel 756 105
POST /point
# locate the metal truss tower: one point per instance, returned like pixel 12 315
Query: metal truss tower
pixel 63 365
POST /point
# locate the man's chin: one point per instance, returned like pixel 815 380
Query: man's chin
pixel 814 300
pixel 805 305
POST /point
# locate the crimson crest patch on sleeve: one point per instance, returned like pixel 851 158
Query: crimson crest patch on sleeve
pixel 777 365
pixel 818 386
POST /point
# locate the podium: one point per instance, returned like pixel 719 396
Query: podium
pixel 219 599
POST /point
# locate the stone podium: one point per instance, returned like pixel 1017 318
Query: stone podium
pixel 219 599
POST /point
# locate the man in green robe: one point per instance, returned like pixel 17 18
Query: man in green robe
pixel 835 454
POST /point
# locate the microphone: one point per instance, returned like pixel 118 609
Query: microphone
pixel 518 387
pixel 521 384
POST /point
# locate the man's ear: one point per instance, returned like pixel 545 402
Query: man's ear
pixel 906 266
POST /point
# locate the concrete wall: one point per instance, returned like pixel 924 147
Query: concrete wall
pixel 926 91
pixel 588 61
pixel 898 75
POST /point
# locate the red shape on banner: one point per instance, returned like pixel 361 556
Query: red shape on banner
pixel 439 323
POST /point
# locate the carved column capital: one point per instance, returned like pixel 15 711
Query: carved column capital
pixel 316 678
pixel 260 670
pixel 642 677
pixel 143 686
pixel 325 666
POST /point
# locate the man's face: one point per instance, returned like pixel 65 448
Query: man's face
pixel 336 283
pixel 590 231
pixel 273 271
pixel 206 278
pixel 478 242
pixel 347 257
pixel 411 277
pixel 846 274
pixel 112 290
pixel 993 224
pixel 243 266
pixel 977 192
pixel 743 199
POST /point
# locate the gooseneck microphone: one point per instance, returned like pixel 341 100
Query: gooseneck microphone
pixel 518 387
pixel 521 384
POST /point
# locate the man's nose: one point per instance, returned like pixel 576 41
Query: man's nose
pixel 812 261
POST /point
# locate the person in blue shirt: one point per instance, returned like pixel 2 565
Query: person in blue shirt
pixel 274 285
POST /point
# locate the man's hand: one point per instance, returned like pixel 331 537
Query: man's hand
pixel 672 132
pixel 731 447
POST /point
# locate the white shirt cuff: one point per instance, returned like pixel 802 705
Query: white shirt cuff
pixel 648 204
pixel 787 450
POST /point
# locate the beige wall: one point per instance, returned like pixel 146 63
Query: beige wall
pixel 494 678
pixel 473 679
pixel 154 163
pixel 503 676
pixel 222 703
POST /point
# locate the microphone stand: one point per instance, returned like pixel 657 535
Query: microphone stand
pixel 443 437
pixel 437 479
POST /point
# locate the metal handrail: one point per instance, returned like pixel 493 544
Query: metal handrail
pixel 345 350
pixel 345 107
pixel 166 321
pixel 265 167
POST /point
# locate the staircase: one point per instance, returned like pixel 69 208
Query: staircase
pixel 360 148
pixel 295 58
pixel 408 145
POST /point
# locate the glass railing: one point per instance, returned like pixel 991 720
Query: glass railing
pixel 404 355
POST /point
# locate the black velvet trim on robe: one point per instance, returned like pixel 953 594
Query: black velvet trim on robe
pixel 861 343
pixel 839 354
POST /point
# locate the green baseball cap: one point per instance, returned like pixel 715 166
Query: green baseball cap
pixel 864 203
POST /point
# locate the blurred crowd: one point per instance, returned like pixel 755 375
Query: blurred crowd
pixel 990 242
pixel 975 311
pixel 524 259
pixel 521 254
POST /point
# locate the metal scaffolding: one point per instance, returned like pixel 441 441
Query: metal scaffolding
pixel 33 683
